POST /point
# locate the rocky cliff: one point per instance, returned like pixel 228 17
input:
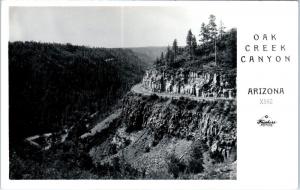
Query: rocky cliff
pixel 195 83
pixel 151 129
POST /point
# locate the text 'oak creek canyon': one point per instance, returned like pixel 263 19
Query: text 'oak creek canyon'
pixel 273 52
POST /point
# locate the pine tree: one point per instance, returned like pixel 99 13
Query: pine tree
pixel 162 56
pixel 193 45
pixel 204 33
pixel 157 61
pixel 221 29
pixel 213 32
pixel 172 58
pixel 212 27
pixel 189 39
pixel 168 54
pixel 175 48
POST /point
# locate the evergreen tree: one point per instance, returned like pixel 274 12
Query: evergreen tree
pixel 221 29
pixel 172 58
pixel 157 61
pixel 189 39
pixel 193 45
pixel 168 54
pixel 212 27
pixel 213 32
pixel 162 56
pixel 204 33
pixel 175 48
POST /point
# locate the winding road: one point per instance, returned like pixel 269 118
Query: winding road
pixel 102 125
pixel 139 89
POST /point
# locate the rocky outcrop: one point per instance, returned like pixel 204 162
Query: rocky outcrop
pixel 150 128
pixel 200 84
pixel 214 123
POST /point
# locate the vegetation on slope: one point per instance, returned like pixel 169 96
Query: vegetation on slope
pixel 215 50
pixel 54 85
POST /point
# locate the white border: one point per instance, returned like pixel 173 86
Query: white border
pixel 98 184
pixel 4 94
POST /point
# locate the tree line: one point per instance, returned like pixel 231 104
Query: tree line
pixel 214 44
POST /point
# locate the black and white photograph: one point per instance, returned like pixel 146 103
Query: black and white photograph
pixel 122 92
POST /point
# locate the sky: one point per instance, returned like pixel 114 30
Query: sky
pixel 112 26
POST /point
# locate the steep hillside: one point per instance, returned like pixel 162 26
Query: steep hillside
pixel 156 135
pixel 215 54
pixel 149 137
pixel 52 86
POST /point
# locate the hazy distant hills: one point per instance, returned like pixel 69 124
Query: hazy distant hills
pixel 149 54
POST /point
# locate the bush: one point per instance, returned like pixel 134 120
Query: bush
pixel 117 169
pixel 153 97
pixel 112 149
pixel 52 166
pixel 175 165
pixel 147 149
pixel 196 159
pixel 195 166
pixel 216 156
pixel 191 105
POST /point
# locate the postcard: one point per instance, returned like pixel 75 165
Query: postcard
pixel 149 95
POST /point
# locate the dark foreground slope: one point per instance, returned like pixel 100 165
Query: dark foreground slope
pixel 52 86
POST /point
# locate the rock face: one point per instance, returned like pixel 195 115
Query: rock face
pixel 200 84
pixel 150 128
pixel 214 123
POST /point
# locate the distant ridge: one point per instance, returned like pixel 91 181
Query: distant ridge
pixel 148 53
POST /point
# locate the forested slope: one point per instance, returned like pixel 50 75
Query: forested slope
pixel 54 85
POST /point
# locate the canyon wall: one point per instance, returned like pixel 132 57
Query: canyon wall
pixel 151 128
pixel 200 84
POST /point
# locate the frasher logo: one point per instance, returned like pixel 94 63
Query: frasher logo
pixel 266 121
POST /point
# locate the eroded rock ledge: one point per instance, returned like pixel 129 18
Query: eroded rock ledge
pixel 194 83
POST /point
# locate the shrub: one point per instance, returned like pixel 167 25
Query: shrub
pixel 175 165
pixel 112 149
pixel 181 98
pixel 117 169
pixel 153 97
pixel 191 105
pixel 147 149
pixel 216 156
pixel 196 160
pixel 195 166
